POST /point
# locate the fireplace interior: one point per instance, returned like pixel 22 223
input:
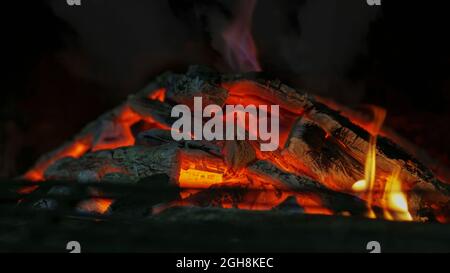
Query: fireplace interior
pixel 88 151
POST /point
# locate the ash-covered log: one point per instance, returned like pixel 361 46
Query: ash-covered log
pixel 319 150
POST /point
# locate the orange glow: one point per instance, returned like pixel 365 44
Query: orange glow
pixel 360 186
pixel 118 134
pixel 27 189
pixel 114 135
pixel 75 149
pixel 159 94
pixel 197 170
pixel 199 179
pixel 247 93
pixel 395 203
pixel 35 175
pixel 312 205
pixel 262 200
pixel 200 170
pixel 95 205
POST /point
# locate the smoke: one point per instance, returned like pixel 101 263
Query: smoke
pixel 240 49
pixel 128 42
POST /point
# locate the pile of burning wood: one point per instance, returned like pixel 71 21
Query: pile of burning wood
pixel 324 163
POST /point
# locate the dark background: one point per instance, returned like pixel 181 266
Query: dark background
pixel 67 65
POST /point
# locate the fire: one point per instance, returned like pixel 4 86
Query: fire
pixel 312 205
pixel 114 135
pixel 159 95
pixel 199 179
pixel 118 133
pixel 95 205
pixel 262 200
pixel 245 93
pixel 27 189
pixel 367 184
pixel 395 203
pixel 200 170
pixel 75 149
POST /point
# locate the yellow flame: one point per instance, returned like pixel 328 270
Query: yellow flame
pixel 367 184
pixel 395 203
pixel 369 174
pixel 360 186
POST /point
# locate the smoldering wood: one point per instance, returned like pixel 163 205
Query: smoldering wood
pixel 324 142
pixel 153 110
pixel 89 136
pixel 155 137
pixel 308 144
pixel 350 148
pixel 126 164
pixel 238 154
pixel 183 88
pixel 333 200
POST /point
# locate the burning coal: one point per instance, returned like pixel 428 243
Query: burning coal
pixel 324 163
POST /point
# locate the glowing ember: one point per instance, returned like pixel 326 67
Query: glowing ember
pixel 75 149
pixel 200 170
pixel 199 179
pixel 312 205
pixel 159 95
pixel 114 134
pixel 206 169
pixel 27 189
pixel 95 205
pixel 118 133
pixel 245 93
